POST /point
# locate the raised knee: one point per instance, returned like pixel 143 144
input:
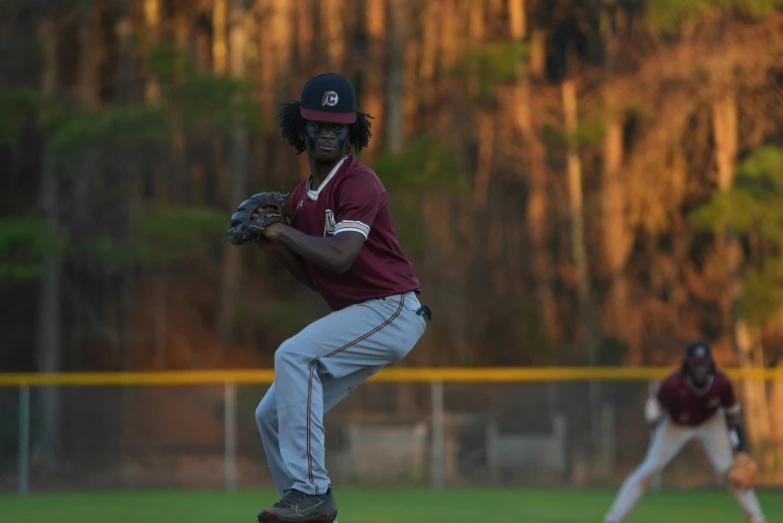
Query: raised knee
pixel 291 352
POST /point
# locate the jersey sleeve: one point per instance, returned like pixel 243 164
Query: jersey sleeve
pixel 727 398
pixel 359 200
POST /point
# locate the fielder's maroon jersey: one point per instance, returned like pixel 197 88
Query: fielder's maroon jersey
pixel 352 198
pixel 687 405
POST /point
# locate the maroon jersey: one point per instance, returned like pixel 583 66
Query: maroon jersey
pixel 687 405
pixel 352 198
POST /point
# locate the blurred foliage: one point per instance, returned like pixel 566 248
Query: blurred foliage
pixel 484 68
pixel 168 61
pixel 284 317
pixel 753 208
pixel 165 235
pixel 215 103
pixel 74 131
pixel 406 210
pixel 427 162
pixel 589 131
pixel 206 101
pixel 18 108
pixel 24 242
pixel 668 15
pixel 179 233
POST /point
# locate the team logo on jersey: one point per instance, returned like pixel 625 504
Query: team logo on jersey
pixel 298 205
pixel 329 223
pixel 713 403
pixel 330 99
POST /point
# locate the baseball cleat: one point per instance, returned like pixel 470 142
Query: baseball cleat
pixel 298 507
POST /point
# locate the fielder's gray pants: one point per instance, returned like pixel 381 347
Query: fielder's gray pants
pixel 318 368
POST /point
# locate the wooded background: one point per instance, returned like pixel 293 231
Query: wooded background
pixel 576 182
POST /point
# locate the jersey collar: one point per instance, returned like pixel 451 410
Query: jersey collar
pixel 699 390
pixel 313 194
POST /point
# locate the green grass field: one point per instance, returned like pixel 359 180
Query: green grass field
pixel 387 506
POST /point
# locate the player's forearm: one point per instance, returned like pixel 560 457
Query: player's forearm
pixel 327 252
pixel 293 263
pixel 736 434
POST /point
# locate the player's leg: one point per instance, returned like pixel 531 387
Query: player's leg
pixel 266 420
pixel 714 437
pixel 335 390
pixel 355 340
pixel 667 441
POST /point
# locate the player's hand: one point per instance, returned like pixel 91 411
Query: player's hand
pixel 269 234
pixel 272 231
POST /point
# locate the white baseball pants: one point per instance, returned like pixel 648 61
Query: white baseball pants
pixel 667 441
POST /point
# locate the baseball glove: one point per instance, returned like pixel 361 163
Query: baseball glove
pixel 268 207
pixel 744 471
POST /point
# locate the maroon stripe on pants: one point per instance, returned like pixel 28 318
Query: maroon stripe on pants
pixel 312 373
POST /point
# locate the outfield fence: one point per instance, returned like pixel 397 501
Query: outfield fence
pixel 542 427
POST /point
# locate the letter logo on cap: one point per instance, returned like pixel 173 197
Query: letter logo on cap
pixel 330 99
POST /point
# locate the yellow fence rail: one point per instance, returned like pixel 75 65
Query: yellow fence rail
pixel 436 377
pixel 402 374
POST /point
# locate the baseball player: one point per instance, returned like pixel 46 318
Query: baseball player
pixel 696 402
pixel 341 243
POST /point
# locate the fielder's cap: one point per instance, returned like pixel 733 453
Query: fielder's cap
pixel 698 352
pixel 328 97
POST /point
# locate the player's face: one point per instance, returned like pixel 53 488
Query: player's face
pixel 325 141
pixel 700 372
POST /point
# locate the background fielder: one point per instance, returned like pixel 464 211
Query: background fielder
pixel 696 402
pixel 341 243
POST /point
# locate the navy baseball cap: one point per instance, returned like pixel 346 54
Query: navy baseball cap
pixel 698 352
pixel 328 97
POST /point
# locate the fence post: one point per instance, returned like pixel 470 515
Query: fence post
pixel 438 436
pixel 230 436
pixel 24 440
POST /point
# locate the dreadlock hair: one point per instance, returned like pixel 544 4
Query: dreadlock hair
pixel 292 127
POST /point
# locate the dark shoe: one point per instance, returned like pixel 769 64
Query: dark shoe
pixel 298 507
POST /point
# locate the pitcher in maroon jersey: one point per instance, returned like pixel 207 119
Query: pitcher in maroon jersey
pixel 342 244
pixel 696 402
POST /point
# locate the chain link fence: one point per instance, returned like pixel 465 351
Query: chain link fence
pixel 535 434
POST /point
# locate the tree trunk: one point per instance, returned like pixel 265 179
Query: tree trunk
pixel 486 149
pixel 476 26
pixel 394 129
pixel 231 269
pixel 152 96
pixel 372 85
pixel 615 240
pixel 448 37
pixel 537 173
pixel 517 19
pixel 537 64
pixel 276 36
pixel 152 23
pixel 334 34
pixel 219 43
pixel 590 332
pixel 576 199
pixel 88 99
pixel 747 337
pixel 49 352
